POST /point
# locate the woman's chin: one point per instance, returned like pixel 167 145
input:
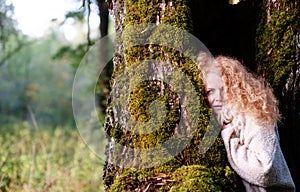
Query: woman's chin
pixel 217 110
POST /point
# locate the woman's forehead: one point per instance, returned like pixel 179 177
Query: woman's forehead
pixel 214 80
pixel 214 76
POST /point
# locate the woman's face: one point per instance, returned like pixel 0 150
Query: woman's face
pixel 215 92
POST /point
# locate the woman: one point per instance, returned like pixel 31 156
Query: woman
pixel 247 110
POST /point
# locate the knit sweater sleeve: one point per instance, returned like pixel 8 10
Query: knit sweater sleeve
pixel 251 150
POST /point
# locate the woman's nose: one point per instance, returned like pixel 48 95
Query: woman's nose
pixel 218 95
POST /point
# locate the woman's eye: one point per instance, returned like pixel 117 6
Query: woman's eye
pixel 209 92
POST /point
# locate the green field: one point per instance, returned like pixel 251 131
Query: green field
pixel 46 159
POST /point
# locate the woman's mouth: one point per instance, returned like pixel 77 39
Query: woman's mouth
pixel 217 107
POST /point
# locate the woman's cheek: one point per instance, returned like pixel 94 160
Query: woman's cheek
pixel 210 100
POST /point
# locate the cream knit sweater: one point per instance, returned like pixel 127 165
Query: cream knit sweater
pixel 254 153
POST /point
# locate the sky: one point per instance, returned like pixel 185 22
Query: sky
pixel 34 16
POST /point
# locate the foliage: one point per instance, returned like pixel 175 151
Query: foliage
pixel 36 86
pixel 7 24
pixel 78 15
pixel 46 159
pixel 31 79
pixel 73 54
pixel 8 32
pixel 276 41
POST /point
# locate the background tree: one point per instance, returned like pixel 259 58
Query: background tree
pixel 105 76
pixel 41 150
pixel 11 42
pixel 278 43
pixel 8 28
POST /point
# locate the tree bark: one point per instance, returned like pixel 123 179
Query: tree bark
pixel 263 34
pixel 278 61
pixel 142 91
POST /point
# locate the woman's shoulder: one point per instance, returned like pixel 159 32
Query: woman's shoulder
pixel 249 123
pixel 258 127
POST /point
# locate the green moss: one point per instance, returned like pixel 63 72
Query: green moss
pixel 141 11
pixel 175 13
pixel 275 42
pixel 189 169
pixel 200 178
pixel 167 116
pixel 178 14
pixel 130 180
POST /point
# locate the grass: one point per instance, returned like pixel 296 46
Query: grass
pixel 46 159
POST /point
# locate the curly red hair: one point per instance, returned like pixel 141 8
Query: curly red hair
pixel 254 96
pixel 250 95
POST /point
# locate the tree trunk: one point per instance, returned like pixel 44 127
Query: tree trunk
pixel 263 34
pixel 105 76
pixel 157 137
pixel 278 61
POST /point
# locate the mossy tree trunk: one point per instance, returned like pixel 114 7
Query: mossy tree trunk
pixel 278 61
pixel 263 34
pixel 188 170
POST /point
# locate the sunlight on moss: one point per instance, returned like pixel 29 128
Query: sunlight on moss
pixel 189 170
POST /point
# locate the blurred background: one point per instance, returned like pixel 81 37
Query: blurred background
pixel 41 45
